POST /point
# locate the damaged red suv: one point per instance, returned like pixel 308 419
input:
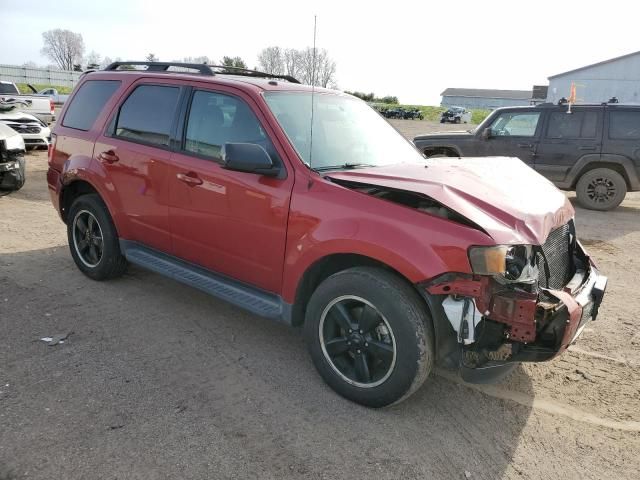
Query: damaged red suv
pixel 308 208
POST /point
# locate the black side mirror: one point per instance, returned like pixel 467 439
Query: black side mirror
pixel 248 157
pixel 486 133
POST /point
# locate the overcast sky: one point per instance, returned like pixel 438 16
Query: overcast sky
pixel 413 50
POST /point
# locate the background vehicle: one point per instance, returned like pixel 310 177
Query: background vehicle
pixel 34 131
pixel 38 105
pixel 214 180
pixel 413 114
pixel 455 115
pixel 594 150
pixel 53 94
pixel 12 167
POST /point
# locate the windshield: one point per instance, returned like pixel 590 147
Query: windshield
pixel 347 133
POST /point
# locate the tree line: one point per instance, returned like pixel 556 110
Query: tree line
pixel 309 65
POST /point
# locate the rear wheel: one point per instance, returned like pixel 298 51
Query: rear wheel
pixel 601 189
pixel 93 239
pixel 370 336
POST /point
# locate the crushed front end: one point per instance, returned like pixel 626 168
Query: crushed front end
pixel 523 303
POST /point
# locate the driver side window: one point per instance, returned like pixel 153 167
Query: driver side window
pixel 517 124
pixel 215 119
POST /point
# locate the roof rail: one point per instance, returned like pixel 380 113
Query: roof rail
pixel 252 73
pixel 164 66
pixel 202 68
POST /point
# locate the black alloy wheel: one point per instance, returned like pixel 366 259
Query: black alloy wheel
pixel 357 341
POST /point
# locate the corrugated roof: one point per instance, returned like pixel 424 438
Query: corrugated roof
pixel 604 62
pixel 487 93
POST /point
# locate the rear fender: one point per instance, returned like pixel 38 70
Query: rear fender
pixel 589 162
pixel 84 168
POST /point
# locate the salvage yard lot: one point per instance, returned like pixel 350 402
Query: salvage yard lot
pixel 158 380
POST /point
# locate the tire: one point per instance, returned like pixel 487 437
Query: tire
pixel 601 189
pixel 392 336
pixel 88 212
pixel 457 120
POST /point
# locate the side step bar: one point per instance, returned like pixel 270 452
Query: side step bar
pixel 254 300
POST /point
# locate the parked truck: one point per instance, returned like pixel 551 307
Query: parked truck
pixel 39 105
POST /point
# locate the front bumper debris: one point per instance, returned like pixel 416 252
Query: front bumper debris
pixel 497 326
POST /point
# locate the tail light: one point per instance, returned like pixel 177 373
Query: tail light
pixel 52 147
pixel 52 106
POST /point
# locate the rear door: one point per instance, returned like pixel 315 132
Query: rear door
pixel 134 153
pixel 234 223
pixel 567 137
pixel 514 133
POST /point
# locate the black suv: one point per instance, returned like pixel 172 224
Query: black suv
pixel 592 149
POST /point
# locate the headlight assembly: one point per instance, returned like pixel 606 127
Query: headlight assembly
pixel 507 263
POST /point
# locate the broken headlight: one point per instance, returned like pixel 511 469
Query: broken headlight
pixel 507 263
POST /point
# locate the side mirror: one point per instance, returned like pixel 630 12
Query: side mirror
pixel 486 133
pixel 248 157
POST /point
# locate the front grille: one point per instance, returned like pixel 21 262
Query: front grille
pixel 20 128
pixel 555 259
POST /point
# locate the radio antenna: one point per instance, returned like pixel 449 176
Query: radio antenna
pixel 313 88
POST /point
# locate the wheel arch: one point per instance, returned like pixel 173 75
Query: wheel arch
pixel 323 268
pixel 73 190
pixel 617 163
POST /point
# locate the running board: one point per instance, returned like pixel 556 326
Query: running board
pixel 254 300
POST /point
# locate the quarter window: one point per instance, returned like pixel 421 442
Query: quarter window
pixel 88 102
pixel 519 124
pixel 216 119
pixel 147 114
pixel 624 125
pixel 572 125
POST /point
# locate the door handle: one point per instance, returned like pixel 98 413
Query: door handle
pixel 189 178
pixel 109 156
pixel 525 145
pixel 585 147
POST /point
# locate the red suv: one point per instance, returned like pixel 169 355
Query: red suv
pixel 305 206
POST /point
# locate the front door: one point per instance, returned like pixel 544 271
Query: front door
pixel 566 138
pixel 134 153
pixel 233 223
pixel 514 134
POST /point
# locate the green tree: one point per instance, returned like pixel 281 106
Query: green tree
pixel 236 62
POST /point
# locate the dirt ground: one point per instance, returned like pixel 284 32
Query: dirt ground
pixel 158 380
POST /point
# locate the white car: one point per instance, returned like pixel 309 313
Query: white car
pixel 34 131
pixel 456 115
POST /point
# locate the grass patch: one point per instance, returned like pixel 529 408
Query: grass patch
pixel 40 86
pixel 432 113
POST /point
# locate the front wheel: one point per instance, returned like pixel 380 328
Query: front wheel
pixel 370 336
pixel 601 189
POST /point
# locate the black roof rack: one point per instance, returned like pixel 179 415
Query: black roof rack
pixel 164 66
pixel 202 68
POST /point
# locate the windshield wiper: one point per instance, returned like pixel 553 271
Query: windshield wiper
pixel 344 166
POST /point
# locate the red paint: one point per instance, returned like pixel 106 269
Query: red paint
pixel 269 231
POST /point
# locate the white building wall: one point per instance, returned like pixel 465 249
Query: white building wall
pixel 620 78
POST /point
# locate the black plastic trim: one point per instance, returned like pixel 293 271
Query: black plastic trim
pixel 250 298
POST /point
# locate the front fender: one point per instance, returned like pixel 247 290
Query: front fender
pixel 415 244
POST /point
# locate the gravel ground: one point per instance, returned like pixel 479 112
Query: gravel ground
pixel 157 380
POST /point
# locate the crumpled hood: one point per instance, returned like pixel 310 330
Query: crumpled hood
pixel 502 195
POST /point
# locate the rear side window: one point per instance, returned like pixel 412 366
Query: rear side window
pixel 147 114
pixel 88 102
pixel 572 125
pixel 624 125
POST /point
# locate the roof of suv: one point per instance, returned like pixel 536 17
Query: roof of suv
pixel 208 73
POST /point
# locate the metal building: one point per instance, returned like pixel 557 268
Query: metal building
pixel 617 77
pixel 484 99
